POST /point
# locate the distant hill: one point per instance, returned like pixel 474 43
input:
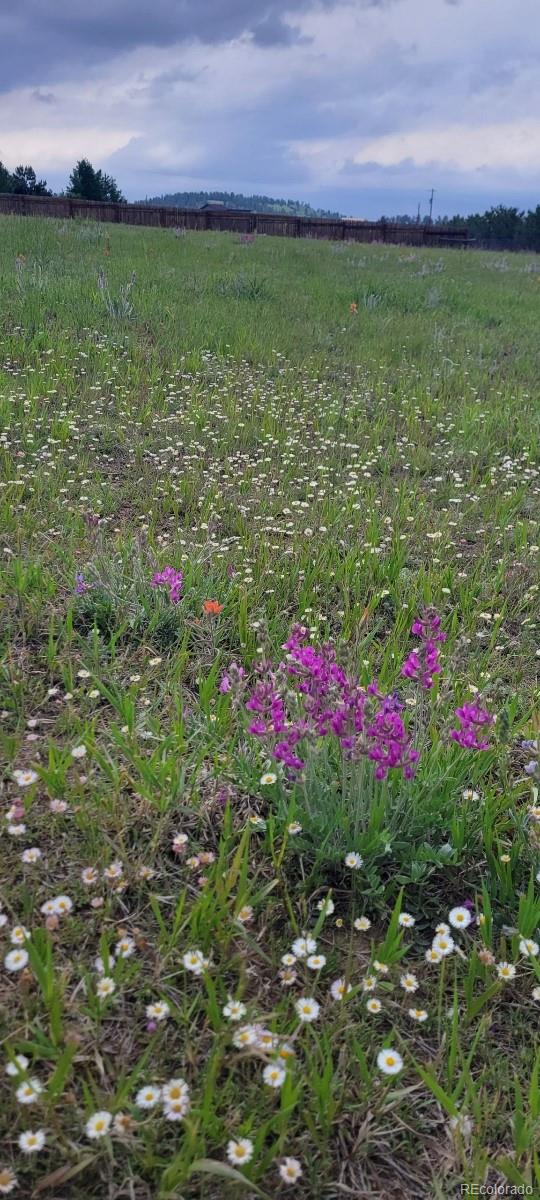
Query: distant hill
pixel 264 204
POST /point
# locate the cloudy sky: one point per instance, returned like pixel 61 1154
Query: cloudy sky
pixel 358 105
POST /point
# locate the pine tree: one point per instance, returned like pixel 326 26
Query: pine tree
pixel 87 184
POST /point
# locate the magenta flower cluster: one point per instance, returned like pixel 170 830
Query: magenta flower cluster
pixel 81 586
pixel 424 663
pixel 474 724
pixel 172 579
pixel 310 696
pixel 233 682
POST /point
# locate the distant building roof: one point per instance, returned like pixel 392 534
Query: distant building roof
pixel 214 204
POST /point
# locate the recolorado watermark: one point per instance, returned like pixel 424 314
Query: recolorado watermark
pixel 496 1189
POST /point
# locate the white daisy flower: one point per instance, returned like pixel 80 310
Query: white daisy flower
pixel 527 946
pixel 307 1009
pixel 316 962
pixel 193 961
pixel 19 935
pixel 240 1151
pixel 304 946
pixel 389 1062
pixel 266 1040
pixel 174 1090
pixel 8 1181
pixel 409 982
pixel 339 989
pixel 506 971
pixel 30 1142
pixel 32 855
pixel 25 778
pixel 290 1170
pixel 176 1110
pixel 354 860
pixel 234 1010
pixel 148 1097
pixel 105 987
pixel 100 965
pixel 158 1011
pixel 459 917
pixel 16 960
pixel 28 1092
pixel 17 1065
pixel 245 1036
pixel 97 1126
pixel 444 944
pixel 274 1075
pixel 125 947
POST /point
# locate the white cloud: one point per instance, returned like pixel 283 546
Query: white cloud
pixel 388 93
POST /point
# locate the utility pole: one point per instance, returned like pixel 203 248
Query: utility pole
pixel 418 214
pixel 431 204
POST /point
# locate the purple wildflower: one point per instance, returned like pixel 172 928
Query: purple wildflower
pixel 474 724
pixel 422 664
pixel 428 627
pixel 233 681
pixel 172 579
pixel 310 696
pixel 81 586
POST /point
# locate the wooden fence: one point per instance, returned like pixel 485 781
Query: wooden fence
pixel 233 220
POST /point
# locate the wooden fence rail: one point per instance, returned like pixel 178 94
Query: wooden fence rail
pixel 233 220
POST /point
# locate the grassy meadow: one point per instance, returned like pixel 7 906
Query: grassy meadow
pixel 251 946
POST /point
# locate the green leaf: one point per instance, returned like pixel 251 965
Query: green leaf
pixel 211 1166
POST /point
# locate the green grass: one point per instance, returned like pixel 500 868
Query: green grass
pixel 221 408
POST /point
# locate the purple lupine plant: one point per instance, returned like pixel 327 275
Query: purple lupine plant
pixel 81 586
pixel 172 579
pixel 424 663
pixel 310 696
pixel 234 682
pixel 475 722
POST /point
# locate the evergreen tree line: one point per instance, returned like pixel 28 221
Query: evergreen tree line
pixel 85 183
pixel 499 228
pixel 255 203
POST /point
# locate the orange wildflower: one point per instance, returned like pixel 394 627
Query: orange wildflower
pixel 212 607
pixel 353 307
